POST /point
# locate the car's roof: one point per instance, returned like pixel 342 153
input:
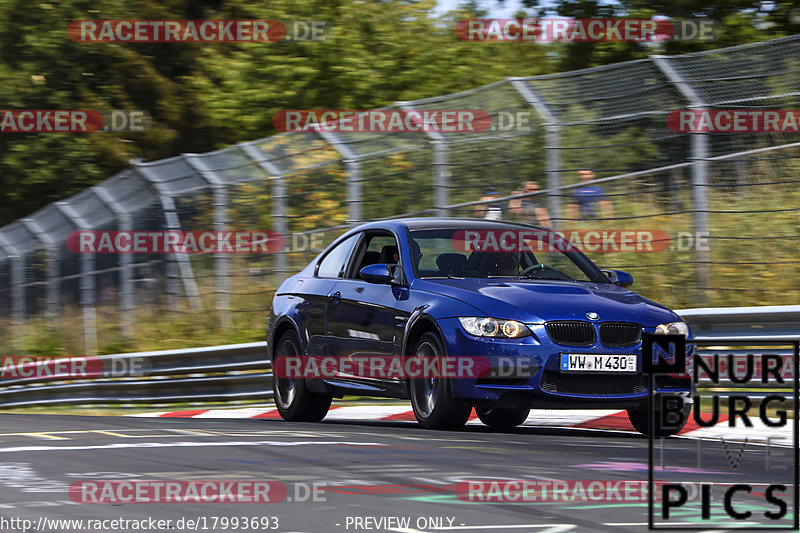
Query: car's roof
pixel 420 223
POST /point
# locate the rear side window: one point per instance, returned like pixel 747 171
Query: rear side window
pixel 335 261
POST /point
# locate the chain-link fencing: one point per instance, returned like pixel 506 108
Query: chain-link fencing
pixel 728 203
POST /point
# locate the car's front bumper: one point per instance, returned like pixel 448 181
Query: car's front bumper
pixel 527 371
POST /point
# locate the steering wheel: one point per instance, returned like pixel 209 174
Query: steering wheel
pixel 537 266
pixel 541 268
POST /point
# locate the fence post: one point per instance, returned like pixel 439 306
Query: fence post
pixel 51 267
pixel 221 259
pixel 125 262
pixel 441 167
pixel 552 145
pixel 441 162
pixel 178 265
pixel 17 276
pixel 87 285
pixel 18 299
pixel 278 199
pixel 355 195
pixel 699 156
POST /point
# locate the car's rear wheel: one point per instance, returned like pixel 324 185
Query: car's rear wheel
pixel 294 401
pixel 640 420
pixel 503 418
pixel 432 398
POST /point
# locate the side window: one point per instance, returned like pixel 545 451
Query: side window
pixel 335 261
pixel 385 246
pixel 377 248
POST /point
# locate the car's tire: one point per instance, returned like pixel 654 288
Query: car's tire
pixel 640 420
pixel 294 401
pixel 502 418
pixel 432 398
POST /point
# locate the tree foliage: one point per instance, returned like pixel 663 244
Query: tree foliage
pixel 206 96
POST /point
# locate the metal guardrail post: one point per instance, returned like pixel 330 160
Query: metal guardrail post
pixel 553 145
pixel 278 197
pixel 441 166
pixel 699 143
pixel 125 261
pixel 87 284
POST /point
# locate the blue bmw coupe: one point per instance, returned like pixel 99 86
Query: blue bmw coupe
pixel 465 313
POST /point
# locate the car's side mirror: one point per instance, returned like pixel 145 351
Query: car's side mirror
pixel 379 273
pixel 619 277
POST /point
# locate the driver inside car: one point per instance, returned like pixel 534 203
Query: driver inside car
pixel 495 263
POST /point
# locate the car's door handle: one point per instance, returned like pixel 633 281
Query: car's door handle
pixel 335 297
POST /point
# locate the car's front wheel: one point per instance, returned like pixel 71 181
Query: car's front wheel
pixel 294 401
pixel 505 418
pixel 640 420
pixel 432 398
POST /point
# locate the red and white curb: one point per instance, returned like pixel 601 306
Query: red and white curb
pixel 598 420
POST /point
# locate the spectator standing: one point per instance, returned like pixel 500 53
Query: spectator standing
pixel 588 201
pixel 529 209
pixel 489 211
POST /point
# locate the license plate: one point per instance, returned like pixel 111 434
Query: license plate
pixel 597 363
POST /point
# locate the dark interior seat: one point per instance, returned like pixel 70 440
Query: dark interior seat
pixel 494 263
pixel 451 264
pixel 387 255
pixel 370 258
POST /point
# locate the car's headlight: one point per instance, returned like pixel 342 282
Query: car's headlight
pixel 494 327
pixel 673 328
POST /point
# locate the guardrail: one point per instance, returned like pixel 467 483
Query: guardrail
pixel 214 373
pixel 243 371
pixel 745 323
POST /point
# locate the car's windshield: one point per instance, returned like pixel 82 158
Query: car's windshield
pixel 491 251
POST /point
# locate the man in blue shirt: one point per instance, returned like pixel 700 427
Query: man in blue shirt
pixel 588 201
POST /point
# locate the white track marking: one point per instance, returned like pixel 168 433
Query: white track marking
pixel 249 412
pixel 117 446
pixel 366 412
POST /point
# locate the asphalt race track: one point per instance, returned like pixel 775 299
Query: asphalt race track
pixel 387 471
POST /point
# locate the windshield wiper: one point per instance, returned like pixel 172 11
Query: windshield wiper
pixel 529 276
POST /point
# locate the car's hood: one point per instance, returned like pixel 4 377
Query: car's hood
pixel 540 301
